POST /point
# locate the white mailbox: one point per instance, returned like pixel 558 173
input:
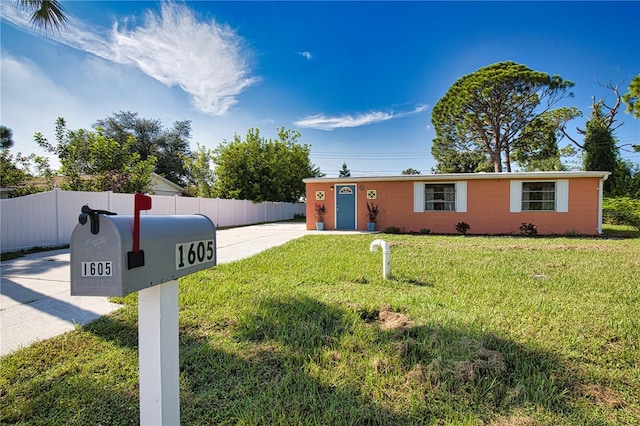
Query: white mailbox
pixel 110 256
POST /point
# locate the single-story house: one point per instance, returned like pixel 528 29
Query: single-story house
pixel 490 203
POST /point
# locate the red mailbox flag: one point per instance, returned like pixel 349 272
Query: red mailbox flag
pixel 140 202
pixel 136 257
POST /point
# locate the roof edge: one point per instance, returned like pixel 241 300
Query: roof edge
pixel 466 176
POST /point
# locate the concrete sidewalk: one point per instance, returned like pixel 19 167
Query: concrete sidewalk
pixel 35 303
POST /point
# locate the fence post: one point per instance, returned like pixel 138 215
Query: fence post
pixel 55 200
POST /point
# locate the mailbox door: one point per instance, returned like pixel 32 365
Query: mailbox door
pixel 96 261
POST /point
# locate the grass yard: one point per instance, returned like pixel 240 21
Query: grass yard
pixel 469 330
pixel 623 231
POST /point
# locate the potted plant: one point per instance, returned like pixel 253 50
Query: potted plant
pixel 372 214
pixel 321 210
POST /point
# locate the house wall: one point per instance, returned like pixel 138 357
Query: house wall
pixel 488 208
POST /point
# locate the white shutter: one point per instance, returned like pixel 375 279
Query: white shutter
pixel 562 195
pixel 515 196
pixel 418 197
pixel 461 196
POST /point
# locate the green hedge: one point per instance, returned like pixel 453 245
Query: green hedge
pixel 621 211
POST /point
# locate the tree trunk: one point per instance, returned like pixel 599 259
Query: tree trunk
pixel 497 164
pixel 496 152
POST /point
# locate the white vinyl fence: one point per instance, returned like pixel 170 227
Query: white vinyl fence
pixel 47 219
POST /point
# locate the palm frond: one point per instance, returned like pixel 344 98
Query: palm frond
pixel 46 15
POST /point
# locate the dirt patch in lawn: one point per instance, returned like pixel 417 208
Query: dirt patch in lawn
pixel 390 320
pixel 603 396
pixel 487 362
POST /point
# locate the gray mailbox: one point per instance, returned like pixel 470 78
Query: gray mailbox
pixel 117 255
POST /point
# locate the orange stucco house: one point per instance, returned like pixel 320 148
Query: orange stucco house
pixel 490 203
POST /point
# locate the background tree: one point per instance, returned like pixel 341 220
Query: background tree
pixel 601 153
pixel 600 150
pixel 169 146
pixel 124 124
pixel 17 173
pixel 344 171
pixel 45 14
pixel 26 174
pixel 633 106
pixel 626 178
pixel 6 137
pixel 90 161
pixel 200 170
pixel 450 159
pixel 632 97
pixel 263 170
pixel 11 171
pixel 536 147
pixel 602 112
pixel 173 151
pixel 411 171
pixel 484 112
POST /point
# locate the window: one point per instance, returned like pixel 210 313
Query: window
pixel 440 196
pixel 545 196
pixel 538 196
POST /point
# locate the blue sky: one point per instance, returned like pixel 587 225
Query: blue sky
pixel 357 79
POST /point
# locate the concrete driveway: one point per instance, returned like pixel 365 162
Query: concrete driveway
pixel 35 303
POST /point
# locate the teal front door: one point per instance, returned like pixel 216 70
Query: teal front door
pixel 345 207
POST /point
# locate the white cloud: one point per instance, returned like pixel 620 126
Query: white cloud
pixel 14 14
pixel 305 54
pixel 205 59
pixel 322 122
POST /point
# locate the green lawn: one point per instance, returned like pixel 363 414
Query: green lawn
pixel 623 231
pixel 469 330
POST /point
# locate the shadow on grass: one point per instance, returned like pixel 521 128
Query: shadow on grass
pixel 411 281
pixel 271 376
pixel 87 376
pixel 295 360
pixel 320 364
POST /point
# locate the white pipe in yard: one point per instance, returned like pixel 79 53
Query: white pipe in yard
pixel 386 256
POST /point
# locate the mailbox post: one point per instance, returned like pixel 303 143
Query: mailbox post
pixel 115 255
pixel 158 355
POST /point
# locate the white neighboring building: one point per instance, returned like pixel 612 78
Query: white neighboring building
pixel 162 186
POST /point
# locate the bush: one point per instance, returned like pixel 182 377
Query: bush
pixel 393 230
pixel 621 211
pixel 528 229
pixel 462 227
pixel 372 212
pixel 321 210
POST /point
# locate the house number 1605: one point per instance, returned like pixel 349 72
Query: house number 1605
pixel 97 269
pixel 193 253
